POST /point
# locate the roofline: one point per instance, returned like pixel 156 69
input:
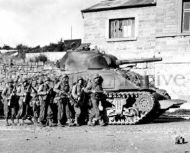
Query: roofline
pixel 117 7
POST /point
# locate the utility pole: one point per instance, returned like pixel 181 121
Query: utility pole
pixel 71 32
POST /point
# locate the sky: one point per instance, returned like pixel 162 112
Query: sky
pixel 40 22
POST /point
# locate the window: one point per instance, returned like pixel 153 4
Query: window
pixel 122 28
pixel 186 16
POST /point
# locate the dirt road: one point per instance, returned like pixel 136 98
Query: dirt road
pixel 157 137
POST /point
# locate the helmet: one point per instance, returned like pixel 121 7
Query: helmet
pixel 47 79
pixel 65 76
pixel 99 77
pixel 25 80
pixel 80 78
pixel 96 76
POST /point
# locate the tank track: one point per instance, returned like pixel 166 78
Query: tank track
pixel 139 107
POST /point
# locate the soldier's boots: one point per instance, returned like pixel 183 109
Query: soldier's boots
pixel 60 124
pixel 94 122
pixel 70 122
pixel 50 123
pixel 7 123
pixel 102 123
pixel 31 121
pixel 22 123
pixel 18 123
pixel 41 124
pixel 76 123
pixel 12 122
pixel 91 122
pixel 25 117
pixel 35 120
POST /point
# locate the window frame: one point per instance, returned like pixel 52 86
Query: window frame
pixel 134 38
pixel 181 18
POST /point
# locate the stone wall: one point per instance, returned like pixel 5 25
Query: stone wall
pixel 26 70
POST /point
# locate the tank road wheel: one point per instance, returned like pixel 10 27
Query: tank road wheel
pixel 132 116
pixel 145 103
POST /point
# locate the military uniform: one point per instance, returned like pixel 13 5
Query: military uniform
pixel 62 100
pixel 35 102
pixel 23 92
pixel 51 112
pixel 77 99
pixel 95 89
pixel 9 101
pixel 44 98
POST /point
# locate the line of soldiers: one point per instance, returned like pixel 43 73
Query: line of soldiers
pixel 47 102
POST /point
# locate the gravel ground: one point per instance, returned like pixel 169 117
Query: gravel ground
pixel 157 137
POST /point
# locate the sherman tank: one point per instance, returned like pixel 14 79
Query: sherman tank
pixel 130 99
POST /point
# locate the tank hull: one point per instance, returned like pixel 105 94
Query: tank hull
pixel 127 103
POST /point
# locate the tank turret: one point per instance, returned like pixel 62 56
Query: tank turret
pixel 84 60
pixel 129 100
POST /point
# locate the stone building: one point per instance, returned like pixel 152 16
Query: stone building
pixel 145 28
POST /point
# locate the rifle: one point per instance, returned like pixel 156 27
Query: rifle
pixel 80 97
pixel 73 100
pixel 69 96
pixel 35 94
pixel 49 93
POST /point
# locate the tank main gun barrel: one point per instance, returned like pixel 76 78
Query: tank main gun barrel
pixel 134 61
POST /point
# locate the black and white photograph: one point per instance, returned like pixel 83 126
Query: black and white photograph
pixel 94 76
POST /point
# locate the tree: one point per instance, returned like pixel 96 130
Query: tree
pixel 41 58
pixel 60 45
pixel 6 47
pixel 22 47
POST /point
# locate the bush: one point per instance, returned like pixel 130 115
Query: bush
pixel 41 58
pixel 32 60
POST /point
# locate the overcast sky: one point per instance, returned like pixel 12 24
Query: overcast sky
pixel 39 22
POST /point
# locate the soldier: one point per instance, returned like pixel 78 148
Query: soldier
pixel 51 112
pixel 62 99
pixel 9 99
pixel 95 89
pixel 44 93
pixel 77 99
pixel 35 101
pixel 23 92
